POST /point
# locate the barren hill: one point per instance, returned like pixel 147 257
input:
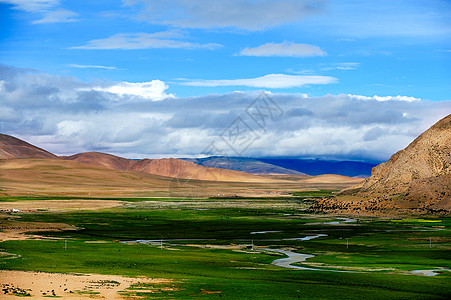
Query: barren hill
pixel 57 177
pixel 169 167
pixel 101 159
pixel 416 179
pixel 11 147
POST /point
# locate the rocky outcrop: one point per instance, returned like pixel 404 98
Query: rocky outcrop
pixel 416 179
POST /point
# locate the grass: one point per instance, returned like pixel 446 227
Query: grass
pixel 314 194
pixel 389 248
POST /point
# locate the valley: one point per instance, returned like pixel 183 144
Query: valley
pixel 185 248
pixel 95 225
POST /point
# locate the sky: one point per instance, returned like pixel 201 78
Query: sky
pixel 348 79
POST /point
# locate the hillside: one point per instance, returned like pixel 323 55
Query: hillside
pixel 57 177
pixel 11 147
pixel 66 178
pixel 102 160
pixel 416 179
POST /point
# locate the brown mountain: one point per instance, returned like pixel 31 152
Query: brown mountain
pixel 57 177
pixel 101 159
pixel 11 147
pixel 169 167
pixel 414 180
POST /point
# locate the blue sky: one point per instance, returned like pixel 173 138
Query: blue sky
pixel 383 56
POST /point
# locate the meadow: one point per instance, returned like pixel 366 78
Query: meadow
pixel 215 248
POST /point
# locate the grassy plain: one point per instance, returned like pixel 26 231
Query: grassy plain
pixel 206 249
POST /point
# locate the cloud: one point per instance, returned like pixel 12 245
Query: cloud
pixel 131 41
pixel 243 14
pixel 153 90
pixel 66 115
pixel 267 81
pixel 341 66
pixel 288 49
pixel 48 8
pixel 385 98
pixel 57 16
pixel 32 5
pixel 92 67
pixel 386 18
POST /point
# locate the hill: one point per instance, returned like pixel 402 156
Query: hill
pixel 57 177
pixel 416 179
pixel 66 178
pixel 11 147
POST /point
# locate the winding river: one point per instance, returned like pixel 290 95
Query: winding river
pixel 294 257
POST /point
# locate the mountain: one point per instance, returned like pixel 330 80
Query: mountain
pixel 169 167
pixel 244 164
pixel 58 177
pixel 11 147
pixel 416 179
pixel 96 174
pixel 287 166
pixel 319 167
pixel 102 160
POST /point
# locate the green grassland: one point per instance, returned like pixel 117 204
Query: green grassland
pixel 382 252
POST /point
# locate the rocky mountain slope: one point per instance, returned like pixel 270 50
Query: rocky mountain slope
pixel 414 180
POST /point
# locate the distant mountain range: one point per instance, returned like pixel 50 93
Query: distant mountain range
pixel 11 147
pixel 416 180
pixel 28 170
pixel 288 166
pixel 14 148
pixel 169 167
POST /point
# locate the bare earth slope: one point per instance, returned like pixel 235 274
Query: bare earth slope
pixel 178 168
pixel 169 167
pixel 11 147
pixel 414 180
pixel 57 177
pixel 102 160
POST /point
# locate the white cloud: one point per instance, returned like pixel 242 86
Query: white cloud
pixel 341 66
pixel 48 8
pixel 153 90
pixel 92 67
pixel 129 41
pixel 388 18
pixel 385 98
pixel 57 16
pixel 65 115
pixel 32 5
pixel 243 14
pixel 284 49
pixel 266 81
